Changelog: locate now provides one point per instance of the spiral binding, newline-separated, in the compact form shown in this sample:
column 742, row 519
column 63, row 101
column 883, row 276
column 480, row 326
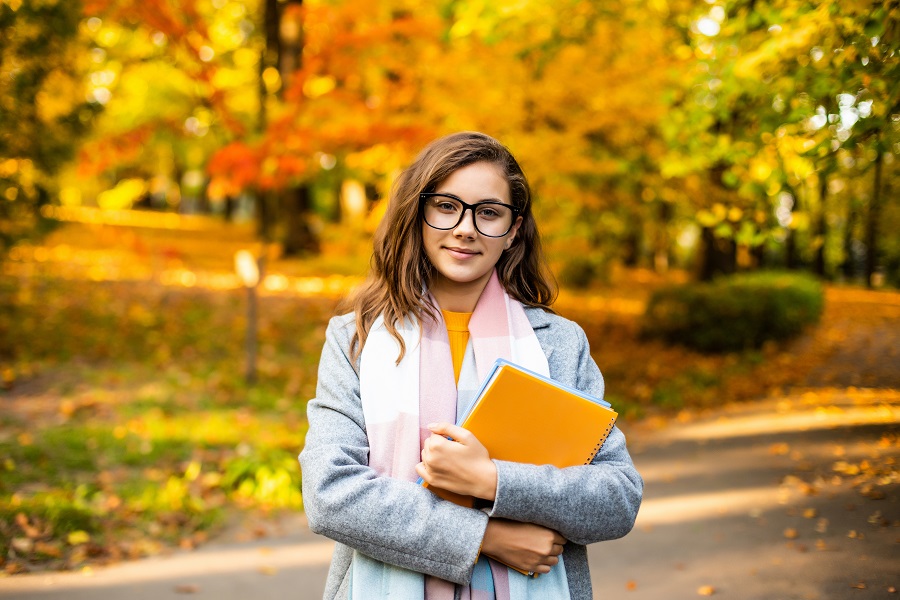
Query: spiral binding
column 601, row 442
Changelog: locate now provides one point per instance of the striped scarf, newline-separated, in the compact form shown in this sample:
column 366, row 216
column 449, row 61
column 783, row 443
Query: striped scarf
column 399, row 400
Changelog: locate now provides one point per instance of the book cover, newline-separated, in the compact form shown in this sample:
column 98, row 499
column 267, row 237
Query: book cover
column 521, row 416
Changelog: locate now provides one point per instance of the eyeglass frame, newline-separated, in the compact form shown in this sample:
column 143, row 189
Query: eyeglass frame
column 466, row 206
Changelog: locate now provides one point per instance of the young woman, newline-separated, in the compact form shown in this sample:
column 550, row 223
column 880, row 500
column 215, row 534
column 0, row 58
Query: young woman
column 457, row 281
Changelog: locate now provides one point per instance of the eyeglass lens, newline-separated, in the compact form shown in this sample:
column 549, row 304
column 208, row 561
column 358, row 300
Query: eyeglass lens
column 491, row 218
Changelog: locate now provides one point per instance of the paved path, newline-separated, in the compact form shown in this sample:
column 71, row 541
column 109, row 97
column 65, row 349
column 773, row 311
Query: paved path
column 783, row 499
column 746, row 503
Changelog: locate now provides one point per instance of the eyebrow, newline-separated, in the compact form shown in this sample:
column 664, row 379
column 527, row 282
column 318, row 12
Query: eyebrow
column 497, row 200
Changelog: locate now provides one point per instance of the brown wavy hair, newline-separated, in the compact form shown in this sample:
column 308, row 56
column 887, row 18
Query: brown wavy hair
column 400, row 272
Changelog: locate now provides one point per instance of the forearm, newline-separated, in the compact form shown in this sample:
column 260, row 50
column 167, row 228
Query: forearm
column 585, row 504
column 394, row 521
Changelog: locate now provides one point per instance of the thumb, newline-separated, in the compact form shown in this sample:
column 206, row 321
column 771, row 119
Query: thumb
column 449, row 430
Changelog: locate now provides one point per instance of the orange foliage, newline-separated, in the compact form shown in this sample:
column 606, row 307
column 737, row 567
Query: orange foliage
column 101, row 154
column 355, row 61
column 236, row 166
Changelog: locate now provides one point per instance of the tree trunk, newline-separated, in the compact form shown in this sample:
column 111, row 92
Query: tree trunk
column 758, row 253
column 719, row 256
column 299, row 237
column 631, row 247
column 284, row 51
column 228, row 208
column 822, row 227
column 296, row 201
column 265, row 216
column 269, row 57
column 790, row 242
column 872, row 220
column 662, row 245
column 848, row 266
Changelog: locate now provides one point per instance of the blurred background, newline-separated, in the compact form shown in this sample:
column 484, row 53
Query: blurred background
column 189, row 187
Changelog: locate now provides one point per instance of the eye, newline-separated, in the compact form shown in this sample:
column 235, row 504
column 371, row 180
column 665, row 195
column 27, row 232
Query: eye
column 447, row 206
column 489, row 211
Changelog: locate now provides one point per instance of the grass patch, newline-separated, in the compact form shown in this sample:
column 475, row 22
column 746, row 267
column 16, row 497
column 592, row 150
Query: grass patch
column 131, row 426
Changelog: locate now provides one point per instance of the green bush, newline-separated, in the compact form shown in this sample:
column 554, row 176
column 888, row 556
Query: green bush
column 736, row 312
column 580, row 272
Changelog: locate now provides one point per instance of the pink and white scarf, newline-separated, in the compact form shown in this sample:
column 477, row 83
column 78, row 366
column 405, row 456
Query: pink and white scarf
column 399, row 400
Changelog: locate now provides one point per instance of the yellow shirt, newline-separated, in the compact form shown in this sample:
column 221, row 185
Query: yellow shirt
column 458, row 330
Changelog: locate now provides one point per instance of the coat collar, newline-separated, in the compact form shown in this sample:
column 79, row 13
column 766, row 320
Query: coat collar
column 538, row 317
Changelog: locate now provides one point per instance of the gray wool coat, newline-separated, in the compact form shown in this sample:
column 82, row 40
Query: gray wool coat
column 404, row 524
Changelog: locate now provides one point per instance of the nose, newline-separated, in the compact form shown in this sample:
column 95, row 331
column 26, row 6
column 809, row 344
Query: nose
column 466, row 226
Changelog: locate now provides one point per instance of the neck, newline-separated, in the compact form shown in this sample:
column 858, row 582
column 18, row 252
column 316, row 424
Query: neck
column 458, row 297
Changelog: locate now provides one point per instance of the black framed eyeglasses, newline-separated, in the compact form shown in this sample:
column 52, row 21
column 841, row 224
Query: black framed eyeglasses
column 446, row 211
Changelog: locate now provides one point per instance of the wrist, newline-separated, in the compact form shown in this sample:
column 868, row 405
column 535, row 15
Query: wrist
column 488, row 487
column 489, row 541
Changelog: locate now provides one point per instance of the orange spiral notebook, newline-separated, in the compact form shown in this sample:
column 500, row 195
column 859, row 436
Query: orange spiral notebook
column 521, row 416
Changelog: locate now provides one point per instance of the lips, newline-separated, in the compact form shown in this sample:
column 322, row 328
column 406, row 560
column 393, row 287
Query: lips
column 461, row 253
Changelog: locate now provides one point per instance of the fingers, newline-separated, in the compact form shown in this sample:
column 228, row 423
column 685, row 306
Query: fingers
column 448, row 430
column 456, row 461
column 525, row 546
column 550, row 560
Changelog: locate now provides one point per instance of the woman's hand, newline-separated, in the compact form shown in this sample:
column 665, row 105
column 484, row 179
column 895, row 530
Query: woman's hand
column 524, row 546
column 460, row 464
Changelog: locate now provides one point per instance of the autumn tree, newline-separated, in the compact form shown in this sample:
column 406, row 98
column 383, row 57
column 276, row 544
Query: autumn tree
column 43, row 109
column 578, row 90
column 281, row 59
column 339, row 93
column 783, row 94
column 177, row 82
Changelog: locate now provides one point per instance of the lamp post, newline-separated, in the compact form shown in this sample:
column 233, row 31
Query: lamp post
column 248, row 270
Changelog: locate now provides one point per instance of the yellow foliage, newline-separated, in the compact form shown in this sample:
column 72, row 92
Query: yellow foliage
column 76, row 538
column 58, row 96
column 319, row 86
column 123, row 195
column 761, row 170
column 70, row 196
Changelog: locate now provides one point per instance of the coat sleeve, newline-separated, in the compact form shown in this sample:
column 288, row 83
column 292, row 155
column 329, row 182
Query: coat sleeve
column 585, row 504
column 394, row 521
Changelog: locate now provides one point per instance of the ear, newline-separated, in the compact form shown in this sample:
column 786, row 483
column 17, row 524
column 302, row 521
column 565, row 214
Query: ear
column 511, row 236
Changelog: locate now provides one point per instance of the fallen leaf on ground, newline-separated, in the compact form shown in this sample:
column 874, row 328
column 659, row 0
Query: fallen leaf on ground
column 29, row 530
column 48, row 549
column 779, row 449
column 791, row 533
column 187, row 588
column 706, row 590
column 876, row 519
column 78, row 537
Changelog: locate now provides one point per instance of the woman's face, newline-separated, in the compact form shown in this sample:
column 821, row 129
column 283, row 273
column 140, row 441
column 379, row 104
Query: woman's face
column 464, row 258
